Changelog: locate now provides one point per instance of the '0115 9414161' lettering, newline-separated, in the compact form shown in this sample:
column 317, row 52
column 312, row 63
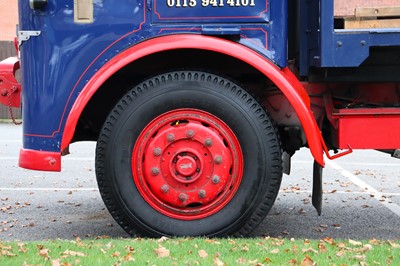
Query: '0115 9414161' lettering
column 210, row 3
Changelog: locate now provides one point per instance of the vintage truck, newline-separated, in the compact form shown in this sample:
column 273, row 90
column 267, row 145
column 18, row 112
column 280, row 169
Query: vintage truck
column 197, row 106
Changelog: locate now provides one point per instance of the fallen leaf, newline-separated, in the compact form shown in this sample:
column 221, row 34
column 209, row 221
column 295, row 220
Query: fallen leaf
column 203, row 254
column 55, row 263
column 367, row 247
column 29, row 225
column 21, row 248
column 394, row 245
column 72, row 253
column 128, row 257
column 267, row 260
column 278, row 242
column 374, row 242
column 44, row 253
column 129, row 249
column 307, row 261
column 115, row 254
column 241, row 260
column 275, row 251
column 340, row 253
column 7, row 253
column 162, row 239
column 218, row 262
column 355, row 243
column 359, row 257
column 322, row 248
column 305, row 250
column 161, row 252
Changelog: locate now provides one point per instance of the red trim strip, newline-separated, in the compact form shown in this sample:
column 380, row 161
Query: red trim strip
column 215, row 17
column 283, row 79
column 40, row 160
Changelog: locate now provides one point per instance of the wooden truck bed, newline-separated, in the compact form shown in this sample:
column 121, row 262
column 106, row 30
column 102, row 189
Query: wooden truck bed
column 359, row 14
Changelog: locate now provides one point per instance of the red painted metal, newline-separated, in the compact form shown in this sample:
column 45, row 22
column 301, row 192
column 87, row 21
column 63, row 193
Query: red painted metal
column 10, row 89
column 187, row 164
column 368, row 128
column 282, row 78
column 40, row 160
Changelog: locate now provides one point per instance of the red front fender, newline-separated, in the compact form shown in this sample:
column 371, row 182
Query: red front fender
column 10, row 89
column 283, row 79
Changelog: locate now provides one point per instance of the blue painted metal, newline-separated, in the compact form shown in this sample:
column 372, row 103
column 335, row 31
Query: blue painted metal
column 66, row 54
column 324, row 46
column 349, row 48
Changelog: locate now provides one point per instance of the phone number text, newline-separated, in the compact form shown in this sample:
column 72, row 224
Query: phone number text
column 211, row 3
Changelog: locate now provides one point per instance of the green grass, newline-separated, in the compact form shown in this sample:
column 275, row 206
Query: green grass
column 201, row 251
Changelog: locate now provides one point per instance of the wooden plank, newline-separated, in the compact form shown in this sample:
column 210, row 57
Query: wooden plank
column 372, row 23
column 346, row 8
column 378, row 11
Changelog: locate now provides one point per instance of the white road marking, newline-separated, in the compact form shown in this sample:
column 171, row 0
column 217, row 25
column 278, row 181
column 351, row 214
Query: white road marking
column 47, row 189
column 67, row 159
column 372, row 194
column 379, row 196
column 350, row 163
column 285, row 191
column 294, row 161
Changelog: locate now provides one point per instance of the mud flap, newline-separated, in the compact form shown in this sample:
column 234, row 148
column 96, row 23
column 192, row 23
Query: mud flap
column 317, row 187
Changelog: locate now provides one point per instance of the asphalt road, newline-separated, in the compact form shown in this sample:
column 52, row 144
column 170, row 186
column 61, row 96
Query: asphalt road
column 361, row 200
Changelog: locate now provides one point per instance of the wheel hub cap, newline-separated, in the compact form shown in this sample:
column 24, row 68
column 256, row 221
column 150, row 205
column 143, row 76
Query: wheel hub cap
column 187, row 164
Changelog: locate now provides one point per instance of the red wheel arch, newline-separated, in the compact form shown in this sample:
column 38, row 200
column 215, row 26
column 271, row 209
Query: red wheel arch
column 282, row 78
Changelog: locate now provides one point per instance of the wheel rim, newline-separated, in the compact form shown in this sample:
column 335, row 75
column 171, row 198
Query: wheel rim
column 187, row 164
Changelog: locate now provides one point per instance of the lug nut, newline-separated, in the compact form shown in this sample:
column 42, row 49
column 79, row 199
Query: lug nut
column 165, row 189
column 216, row 179
column 155, row 171
column 208, row 142
column 190, row 133
column 218, row 159
column 202, row 194
column 183, row 197
column 170, row 137
column 157, row 151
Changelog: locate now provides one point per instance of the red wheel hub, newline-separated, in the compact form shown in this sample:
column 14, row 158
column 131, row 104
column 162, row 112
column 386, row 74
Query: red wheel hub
column 187, row 164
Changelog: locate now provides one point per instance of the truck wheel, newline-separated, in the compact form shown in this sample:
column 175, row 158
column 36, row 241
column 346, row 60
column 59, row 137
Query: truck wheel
column 188, row 154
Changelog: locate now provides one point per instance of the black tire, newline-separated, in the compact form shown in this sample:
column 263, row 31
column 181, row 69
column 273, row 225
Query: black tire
column 220, row 97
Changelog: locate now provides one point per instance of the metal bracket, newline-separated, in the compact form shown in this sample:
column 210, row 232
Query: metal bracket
column 24, row 35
